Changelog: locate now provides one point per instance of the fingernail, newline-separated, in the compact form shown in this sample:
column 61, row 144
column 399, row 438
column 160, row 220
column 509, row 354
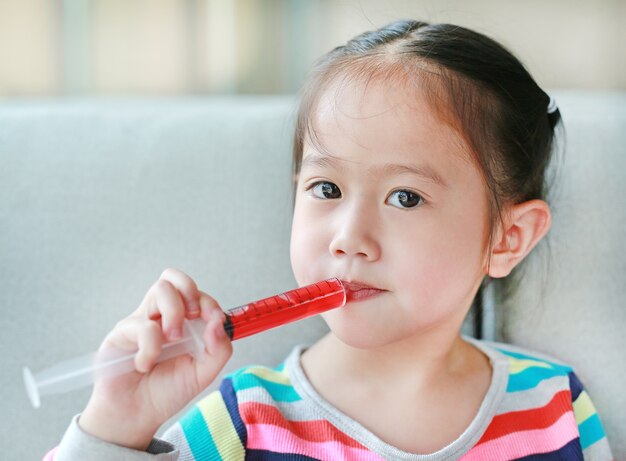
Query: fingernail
column 218, row 315
column 205, row 312
column 194, row 307
column 175, row 333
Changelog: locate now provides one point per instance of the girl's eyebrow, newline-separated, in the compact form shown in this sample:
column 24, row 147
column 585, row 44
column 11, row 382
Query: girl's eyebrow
column 425, row 172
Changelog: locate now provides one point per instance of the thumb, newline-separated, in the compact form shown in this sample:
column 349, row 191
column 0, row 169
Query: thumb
column 218, row 349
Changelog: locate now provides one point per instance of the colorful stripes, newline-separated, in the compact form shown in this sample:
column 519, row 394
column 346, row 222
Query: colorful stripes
column 258, row 415
column 569, row 452
column 213, row 428
column 519, row 444
column 276, row 383
column 269, row 431
column 281, row 440
column 560, row 429
column 266, row 418
column 230, row 401
column 526, row 372
column 531, row 419
column 587, row 419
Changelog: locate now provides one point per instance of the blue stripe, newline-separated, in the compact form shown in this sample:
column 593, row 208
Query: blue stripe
column 230, row 400
column 265, row 455
column 563, row 369
column 590, row 431
column 569, row 452
column 198, row 436
column 279, row 392
column 576, row 387
column 530, row 378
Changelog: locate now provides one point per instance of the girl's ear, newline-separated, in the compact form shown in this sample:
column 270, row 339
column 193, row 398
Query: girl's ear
column 524, row 226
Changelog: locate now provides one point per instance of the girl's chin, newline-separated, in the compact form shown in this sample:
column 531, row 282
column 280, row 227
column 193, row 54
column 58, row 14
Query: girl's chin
column 358, row 331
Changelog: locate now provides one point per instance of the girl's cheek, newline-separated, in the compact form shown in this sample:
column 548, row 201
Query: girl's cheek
column 304, row 248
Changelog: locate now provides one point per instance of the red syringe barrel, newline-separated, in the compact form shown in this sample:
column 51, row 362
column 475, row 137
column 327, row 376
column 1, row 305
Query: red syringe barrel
column 284, row 308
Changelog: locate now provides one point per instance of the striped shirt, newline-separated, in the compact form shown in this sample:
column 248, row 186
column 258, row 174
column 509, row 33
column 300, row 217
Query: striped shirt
column 535, row 409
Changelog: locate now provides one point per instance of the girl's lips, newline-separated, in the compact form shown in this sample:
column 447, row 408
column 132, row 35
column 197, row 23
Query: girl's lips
column 358, row 291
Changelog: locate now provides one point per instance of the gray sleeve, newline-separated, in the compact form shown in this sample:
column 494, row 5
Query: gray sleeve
column 78, row 445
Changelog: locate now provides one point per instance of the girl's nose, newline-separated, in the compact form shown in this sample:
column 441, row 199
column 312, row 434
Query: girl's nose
column 354, row 237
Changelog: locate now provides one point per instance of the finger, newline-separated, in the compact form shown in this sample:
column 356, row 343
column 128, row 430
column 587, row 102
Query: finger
column 137, row 335
column 149, row 340
column 215, row 337
column 121, row 336
column 208, row 305
column 218, row 349
column 167, row 304
column 187, row 288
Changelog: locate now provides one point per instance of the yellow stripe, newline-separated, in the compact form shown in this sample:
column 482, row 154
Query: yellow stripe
column 220, row 426
column 279, row 377
column 583, row 407
column 519, row 365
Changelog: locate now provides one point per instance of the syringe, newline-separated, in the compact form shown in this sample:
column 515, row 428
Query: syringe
column 241, row 322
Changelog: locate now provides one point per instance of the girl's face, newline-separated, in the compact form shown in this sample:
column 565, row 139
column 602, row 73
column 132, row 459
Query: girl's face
column 388, row 199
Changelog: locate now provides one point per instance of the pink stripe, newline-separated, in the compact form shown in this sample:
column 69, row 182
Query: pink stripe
column 50, row 455
column 524, row 443
column 279, row 440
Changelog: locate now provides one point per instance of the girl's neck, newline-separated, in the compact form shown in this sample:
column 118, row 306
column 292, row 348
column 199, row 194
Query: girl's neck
column 419, row 362
column 435, row 386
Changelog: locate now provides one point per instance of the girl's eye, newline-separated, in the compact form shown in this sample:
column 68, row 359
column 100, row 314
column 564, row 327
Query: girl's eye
column 405, row 199
column 325, row 190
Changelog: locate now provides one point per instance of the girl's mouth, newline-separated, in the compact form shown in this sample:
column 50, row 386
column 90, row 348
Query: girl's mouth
column 359, row 291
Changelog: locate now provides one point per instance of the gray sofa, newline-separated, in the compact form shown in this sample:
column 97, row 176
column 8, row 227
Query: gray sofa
column 98, row 196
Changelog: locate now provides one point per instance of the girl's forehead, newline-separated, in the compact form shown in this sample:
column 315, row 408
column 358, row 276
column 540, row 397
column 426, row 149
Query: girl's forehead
column 384, row 117
column 369, row 98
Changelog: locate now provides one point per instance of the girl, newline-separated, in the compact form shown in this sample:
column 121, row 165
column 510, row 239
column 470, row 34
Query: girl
column 420, row 153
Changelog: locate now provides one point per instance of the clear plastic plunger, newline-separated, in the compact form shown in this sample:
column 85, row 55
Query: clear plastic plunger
column 241, row 322
column 84, row 370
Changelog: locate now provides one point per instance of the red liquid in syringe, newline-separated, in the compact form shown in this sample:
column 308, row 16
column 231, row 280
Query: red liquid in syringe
column 284, row 308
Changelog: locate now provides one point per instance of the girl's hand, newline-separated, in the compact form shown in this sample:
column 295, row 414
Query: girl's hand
column 127, row 410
